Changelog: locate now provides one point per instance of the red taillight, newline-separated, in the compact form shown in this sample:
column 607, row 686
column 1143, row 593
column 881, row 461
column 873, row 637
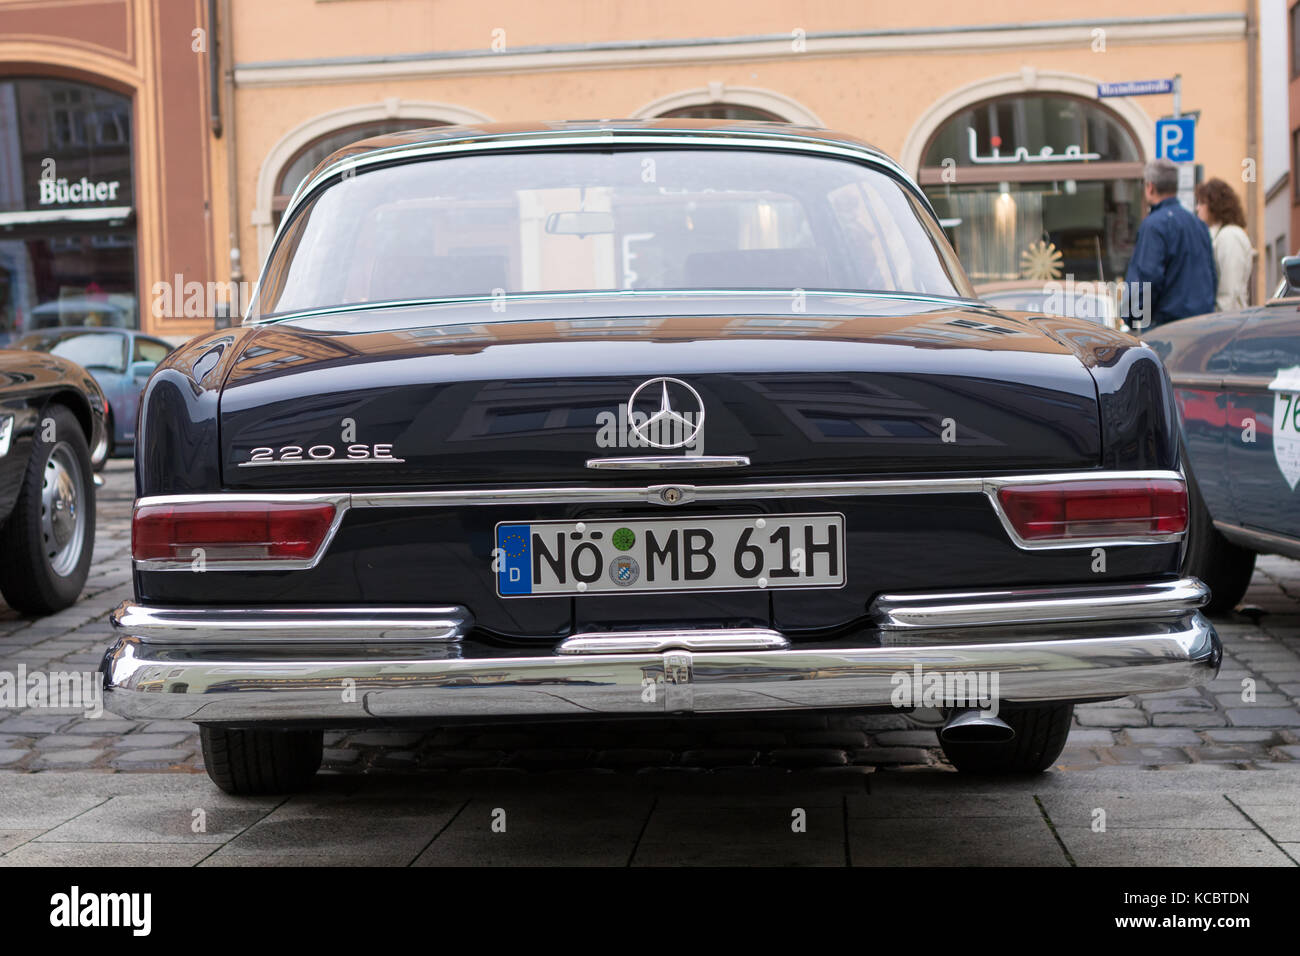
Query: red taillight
column 239, row 531
column 1118, row 508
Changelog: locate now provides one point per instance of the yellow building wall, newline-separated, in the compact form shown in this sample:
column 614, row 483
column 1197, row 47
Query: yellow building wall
column 877, row 95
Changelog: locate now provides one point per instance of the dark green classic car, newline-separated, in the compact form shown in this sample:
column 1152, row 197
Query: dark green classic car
column 1236, row 378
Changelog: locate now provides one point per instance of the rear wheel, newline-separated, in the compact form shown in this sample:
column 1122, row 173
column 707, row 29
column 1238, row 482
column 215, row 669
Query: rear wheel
column 51, row 532
column 1226, row 568
column 249, row 762
column 1040, row 738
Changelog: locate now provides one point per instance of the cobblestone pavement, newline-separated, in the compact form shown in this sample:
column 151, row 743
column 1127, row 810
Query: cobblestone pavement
column 1216, row 724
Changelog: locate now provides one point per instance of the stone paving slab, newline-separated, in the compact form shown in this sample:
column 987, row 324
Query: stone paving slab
column 1201, row 815
column 1002, row 840
column 105, row 854
column 1172, row 847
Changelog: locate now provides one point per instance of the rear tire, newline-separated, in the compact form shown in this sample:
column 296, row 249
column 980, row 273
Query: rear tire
column 251, row 762
column 50, row 536
column 1040, row 738
column 1226, row 568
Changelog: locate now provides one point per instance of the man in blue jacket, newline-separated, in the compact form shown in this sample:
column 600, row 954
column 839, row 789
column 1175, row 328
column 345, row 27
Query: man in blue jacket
column 1171, row 274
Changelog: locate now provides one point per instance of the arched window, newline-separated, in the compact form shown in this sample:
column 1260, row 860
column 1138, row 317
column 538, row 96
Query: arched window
column 1017, row 179
column 730, row 111
column 307, row 158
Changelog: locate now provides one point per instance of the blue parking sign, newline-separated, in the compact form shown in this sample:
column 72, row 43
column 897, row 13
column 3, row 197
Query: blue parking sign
column 1176, row 139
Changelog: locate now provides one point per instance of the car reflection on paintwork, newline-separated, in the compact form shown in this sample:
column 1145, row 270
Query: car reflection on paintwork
column 1077, row 300
column 1232, row 372
column 121, row 361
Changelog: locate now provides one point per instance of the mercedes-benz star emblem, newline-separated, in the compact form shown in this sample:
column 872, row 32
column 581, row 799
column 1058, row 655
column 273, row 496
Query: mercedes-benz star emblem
column 674, row 413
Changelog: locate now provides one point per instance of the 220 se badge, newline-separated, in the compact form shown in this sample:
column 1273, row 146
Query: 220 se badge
column 717, row 399
column 318, row 454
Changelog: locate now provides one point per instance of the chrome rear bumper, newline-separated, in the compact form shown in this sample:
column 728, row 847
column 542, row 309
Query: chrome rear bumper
column 418, row 664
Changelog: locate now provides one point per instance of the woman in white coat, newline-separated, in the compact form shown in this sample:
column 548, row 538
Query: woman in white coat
column 1220, row 209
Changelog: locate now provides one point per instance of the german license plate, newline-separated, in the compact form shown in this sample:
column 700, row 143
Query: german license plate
column 669, row 554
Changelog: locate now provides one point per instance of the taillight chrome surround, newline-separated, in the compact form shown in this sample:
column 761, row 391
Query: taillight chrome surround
column 1163, row 484
column 653, row 494
column 214, row 561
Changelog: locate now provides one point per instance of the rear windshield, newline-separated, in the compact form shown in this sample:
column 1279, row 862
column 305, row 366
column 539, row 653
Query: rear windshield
column 531, row 222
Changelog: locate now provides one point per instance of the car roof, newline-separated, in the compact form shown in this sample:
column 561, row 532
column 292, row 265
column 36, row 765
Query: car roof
column 77, row 329
column 72, row 329
column 405, row 143
column 1008, row 286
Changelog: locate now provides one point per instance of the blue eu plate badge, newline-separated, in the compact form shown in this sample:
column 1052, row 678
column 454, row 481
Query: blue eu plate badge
column 515, row 569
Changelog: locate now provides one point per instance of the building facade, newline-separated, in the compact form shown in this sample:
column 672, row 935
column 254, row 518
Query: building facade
column 107, row 171
column 993, row 107
column 1293, row 111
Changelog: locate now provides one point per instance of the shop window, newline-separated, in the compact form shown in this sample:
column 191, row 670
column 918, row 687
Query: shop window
column 67, row 232
column 1036, row 187
column 1294, row 18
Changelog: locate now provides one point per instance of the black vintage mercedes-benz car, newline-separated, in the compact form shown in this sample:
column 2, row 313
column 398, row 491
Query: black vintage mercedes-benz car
column 52, row 430
column 635, row 419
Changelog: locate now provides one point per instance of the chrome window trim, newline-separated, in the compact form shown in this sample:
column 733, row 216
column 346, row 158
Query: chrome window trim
column 532, row 297
column 666, row 495
column 779, row 141
column 749, row 139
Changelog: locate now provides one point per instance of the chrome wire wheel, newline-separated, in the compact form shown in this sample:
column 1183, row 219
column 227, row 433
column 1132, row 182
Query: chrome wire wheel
column 63, row 519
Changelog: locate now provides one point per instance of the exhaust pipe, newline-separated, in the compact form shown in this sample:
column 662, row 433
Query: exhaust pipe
column 975, row 727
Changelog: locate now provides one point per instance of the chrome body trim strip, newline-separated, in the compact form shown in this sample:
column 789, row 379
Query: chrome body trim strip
column 896, row 612
column 264, row 684
column 737, row 492
column 354, row 625
column 1196, row 380
column 668, row 495
column 658, row 462
column 704, row 639
column 1268, row 542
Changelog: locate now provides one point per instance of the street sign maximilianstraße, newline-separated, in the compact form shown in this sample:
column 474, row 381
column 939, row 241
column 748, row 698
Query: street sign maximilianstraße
column 1135, row 88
